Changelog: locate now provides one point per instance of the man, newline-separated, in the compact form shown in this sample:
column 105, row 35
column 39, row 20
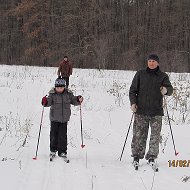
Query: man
column 146, row 97
column 65, row 70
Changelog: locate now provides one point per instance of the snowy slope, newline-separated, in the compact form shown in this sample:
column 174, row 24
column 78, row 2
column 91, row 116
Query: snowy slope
column 106, row 117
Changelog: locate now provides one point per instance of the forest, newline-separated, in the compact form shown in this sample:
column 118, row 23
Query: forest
column 99, row 34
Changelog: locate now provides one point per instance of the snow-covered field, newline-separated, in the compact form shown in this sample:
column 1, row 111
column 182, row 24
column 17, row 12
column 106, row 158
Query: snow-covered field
column 106, row 118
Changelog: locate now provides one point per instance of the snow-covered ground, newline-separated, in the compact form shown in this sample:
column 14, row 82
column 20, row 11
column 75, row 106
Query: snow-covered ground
column 106, row 118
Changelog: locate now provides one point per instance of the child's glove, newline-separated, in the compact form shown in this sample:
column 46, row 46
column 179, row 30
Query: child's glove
column 44, row 101
column 80, row 98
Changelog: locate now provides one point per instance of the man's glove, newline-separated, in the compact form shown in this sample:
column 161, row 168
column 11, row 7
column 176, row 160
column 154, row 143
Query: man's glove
column 163, row 90
column 80, row 98
column 44, row 101
column 134, row 107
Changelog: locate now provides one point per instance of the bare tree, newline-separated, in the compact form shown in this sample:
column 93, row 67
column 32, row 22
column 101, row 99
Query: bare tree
column 109, row 34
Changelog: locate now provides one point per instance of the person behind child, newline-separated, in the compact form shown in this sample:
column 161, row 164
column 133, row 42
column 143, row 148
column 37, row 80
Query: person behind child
column 65, row 70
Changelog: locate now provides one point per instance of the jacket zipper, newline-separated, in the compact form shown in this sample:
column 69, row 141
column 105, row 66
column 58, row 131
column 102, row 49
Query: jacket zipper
column 148, row 93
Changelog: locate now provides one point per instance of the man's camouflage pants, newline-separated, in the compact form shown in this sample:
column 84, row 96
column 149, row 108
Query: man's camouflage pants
column 140, row 134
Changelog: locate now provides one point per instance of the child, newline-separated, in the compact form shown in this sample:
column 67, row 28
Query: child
column 59, row 100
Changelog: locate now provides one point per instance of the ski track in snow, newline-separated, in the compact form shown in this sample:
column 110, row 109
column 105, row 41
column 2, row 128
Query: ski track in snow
column 105, row 123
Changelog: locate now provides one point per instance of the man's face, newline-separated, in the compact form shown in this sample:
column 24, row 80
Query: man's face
column 65, row 59
column 152, row 64
column 59, row 89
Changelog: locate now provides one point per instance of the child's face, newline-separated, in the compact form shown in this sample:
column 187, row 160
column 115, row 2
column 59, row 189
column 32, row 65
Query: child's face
column 59, row 89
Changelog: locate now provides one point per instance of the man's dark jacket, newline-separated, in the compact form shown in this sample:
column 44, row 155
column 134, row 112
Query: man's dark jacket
column 145, row 91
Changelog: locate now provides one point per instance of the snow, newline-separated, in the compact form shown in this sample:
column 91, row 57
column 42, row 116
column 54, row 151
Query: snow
column 106, row 117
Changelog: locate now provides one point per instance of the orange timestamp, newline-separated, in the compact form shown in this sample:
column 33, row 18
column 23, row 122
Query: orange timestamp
column 179, row 163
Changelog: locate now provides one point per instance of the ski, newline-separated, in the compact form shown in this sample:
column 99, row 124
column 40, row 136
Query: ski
column 66, row 160
column 51, row 158
column 154, row 166
column 136, row 165
column 64, row 157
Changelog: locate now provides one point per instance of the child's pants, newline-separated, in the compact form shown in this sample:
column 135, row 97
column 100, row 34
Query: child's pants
column 58, row 137
column 67, row 81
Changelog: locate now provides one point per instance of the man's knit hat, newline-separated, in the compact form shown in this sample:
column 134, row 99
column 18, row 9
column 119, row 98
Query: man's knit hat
column 153, row 57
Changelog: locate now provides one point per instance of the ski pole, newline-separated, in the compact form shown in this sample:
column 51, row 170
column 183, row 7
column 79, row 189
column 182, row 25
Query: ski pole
column 34, row 158
column 82, row 145
column 127, row 136
column 176, row 153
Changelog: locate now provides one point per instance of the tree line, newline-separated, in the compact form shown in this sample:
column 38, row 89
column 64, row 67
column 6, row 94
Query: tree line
column 101, row 34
